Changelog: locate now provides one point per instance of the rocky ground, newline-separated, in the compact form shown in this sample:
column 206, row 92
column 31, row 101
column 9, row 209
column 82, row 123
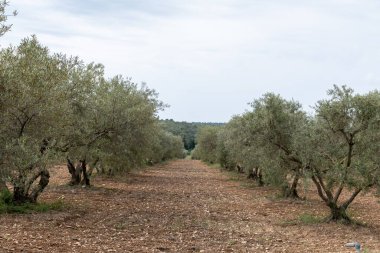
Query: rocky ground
column 183, row 206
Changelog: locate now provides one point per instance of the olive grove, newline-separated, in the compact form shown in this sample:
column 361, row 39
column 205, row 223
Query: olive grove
column 54, row 108
column 277, row 143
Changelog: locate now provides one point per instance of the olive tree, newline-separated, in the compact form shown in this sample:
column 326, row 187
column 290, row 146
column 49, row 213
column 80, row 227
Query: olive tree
column 166, row 146
column 134, row 116
column 82, row 131
column 337, row 148
column 240, row 148
column 226, row 157
column 117, row 122
column 344, row 151
column 53, row 105
column 277, row 124
column 33, row 108
column 207, row 141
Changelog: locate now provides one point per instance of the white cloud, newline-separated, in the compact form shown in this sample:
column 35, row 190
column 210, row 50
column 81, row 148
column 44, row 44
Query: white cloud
column 209, row 58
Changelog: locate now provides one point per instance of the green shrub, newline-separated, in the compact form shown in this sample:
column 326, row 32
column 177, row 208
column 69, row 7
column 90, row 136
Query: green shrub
column 7, row 206
column 5, row 197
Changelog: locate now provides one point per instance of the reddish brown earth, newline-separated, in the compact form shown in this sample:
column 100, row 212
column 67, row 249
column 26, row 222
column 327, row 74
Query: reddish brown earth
column 182, row 206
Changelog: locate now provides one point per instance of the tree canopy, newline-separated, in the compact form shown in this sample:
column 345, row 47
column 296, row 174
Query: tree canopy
column 187, row 130
column 54, row 106
column 277, row 143
column 4, row 27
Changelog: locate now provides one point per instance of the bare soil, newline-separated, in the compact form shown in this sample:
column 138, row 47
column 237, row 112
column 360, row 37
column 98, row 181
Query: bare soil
column 183, row 206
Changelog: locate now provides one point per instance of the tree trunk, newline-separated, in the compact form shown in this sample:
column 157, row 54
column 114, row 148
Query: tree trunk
column 260, row 177
column 23, row 192
column 338, row 213
column 255, row 174
column 252, row 174
column 86, row 178
column 44, row 181
column 75, row 172
column 291, row 192
column 79, row 174
column 19, row 196
column 93, row 165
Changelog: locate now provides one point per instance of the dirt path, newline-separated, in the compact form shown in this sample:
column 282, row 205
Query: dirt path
column 182, row 206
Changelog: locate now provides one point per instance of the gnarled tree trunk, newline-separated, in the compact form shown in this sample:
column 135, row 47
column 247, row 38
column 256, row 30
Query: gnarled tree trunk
column 23, row 189
column 79, row 174
column 75, row 172
column 255, row 174
column 86, row 177
column 291, row 191
column 240, row 169
column 337, row 212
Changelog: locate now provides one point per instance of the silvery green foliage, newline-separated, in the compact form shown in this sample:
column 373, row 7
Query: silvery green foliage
column 167, row 146
column 53, row 106
column 347, row 134
column 206, row 148
column 345, row 145
column 338, row 148
column 4, row 27
column 33, row 107
column 114, row 122
column 33, row 101
column 278, row 124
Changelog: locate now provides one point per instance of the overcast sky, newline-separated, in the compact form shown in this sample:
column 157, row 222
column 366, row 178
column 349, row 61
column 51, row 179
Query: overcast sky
column 209, row 58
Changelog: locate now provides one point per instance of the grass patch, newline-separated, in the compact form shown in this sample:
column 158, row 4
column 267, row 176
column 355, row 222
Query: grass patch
column 367, row 251
column 248, row 185
column 234, row 178
column 305, row 218
column 120, row 226
column 234, row 175
column 310, row 219
column 232, row 242
column 213, row 165
column 181, row 224
column 31, row 207
column 7, row 206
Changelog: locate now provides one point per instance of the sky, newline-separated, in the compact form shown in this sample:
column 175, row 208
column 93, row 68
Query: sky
column 209, row 58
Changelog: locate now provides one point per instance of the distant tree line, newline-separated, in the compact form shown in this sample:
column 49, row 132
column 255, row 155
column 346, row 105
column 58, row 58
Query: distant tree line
column 278, row 143
column 187, row 130
column 54, row 107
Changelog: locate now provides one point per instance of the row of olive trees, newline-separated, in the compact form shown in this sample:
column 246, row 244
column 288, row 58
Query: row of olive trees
column 277, row 143
column 54, row 106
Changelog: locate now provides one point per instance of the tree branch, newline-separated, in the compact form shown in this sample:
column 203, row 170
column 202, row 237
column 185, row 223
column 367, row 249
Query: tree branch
column 353, row 196
column 319, row 188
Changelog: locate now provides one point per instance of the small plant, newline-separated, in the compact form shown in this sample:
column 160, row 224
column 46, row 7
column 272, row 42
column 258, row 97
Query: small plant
column 231, row 242
column 120, row 226
column 7, row 205
column 248, row 185
column 309, row 219
column 6, row 197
